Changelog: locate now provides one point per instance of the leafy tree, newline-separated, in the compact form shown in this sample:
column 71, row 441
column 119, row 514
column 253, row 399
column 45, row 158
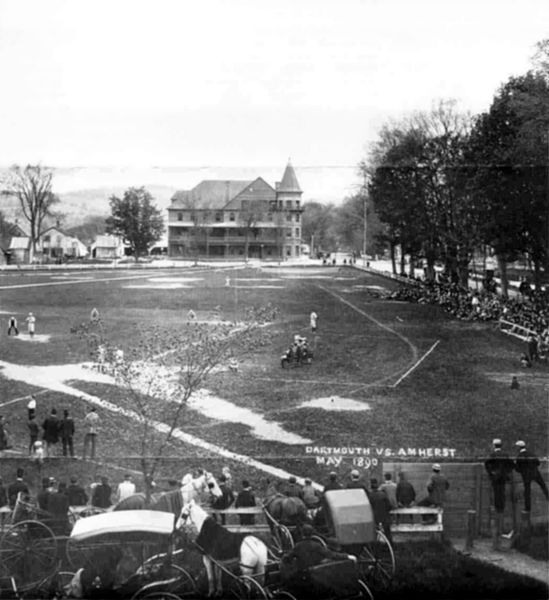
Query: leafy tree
column 349, row 220
column 136, row 218
column 32, row 186
column 508, row 157
column 91, row 227
column 317, row 226
column 250, row 214
column 158, row 374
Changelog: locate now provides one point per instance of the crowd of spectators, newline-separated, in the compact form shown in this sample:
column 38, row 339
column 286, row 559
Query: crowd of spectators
column 529, row 310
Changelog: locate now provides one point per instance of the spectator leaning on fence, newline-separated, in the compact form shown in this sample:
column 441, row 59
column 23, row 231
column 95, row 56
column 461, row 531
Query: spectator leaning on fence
column 527, row 464
column 499, row 468
column 405, row 492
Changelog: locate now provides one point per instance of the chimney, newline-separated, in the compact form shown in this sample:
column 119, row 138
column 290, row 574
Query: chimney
column 227, row 191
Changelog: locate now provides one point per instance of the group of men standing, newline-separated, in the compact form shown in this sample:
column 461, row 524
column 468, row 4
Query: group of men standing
column 500, row 466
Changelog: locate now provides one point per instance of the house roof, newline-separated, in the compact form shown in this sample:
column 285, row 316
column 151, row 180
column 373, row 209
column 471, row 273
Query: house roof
column 289, row 180
column 210, row 193
column 19, row 243
column 107, row 241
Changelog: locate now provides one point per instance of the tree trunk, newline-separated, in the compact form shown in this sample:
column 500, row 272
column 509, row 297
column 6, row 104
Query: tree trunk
column 430, row 272
column 393, row 257
column 402, row 261
column 412, row 267
column 537, row 274
column 502, row 265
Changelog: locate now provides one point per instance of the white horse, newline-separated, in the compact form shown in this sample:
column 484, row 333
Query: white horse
column 200, row 488
column 216, row 542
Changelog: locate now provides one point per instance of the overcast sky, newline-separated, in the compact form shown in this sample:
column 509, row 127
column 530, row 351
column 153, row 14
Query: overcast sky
column 243, row 82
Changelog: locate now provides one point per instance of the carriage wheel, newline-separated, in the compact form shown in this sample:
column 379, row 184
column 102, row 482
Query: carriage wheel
column 282, row 539
column 160, row 596
column 365, row 591
column 282, row 595
column 251, row 589
column 377, row 561
column 29, row 554
column 177, row 583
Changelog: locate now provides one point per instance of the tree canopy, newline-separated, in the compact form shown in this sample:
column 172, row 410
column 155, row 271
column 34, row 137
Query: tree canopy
column 136, row 218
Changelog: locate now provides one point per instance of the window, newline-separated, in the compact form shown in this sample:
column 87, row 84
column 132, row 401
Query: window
column 46, row 238
column 288, row 251
column 288, row 233
column 218, row 217
column 297, row 218
column 180, row 216
column 288, row 204
column 297, row 250
column 297, row 203
column 232, row 216
column 297, row 232
column 288, row 217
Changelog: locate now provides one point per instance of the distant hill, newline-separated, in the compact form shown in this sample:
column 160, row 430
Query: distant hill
column 85, row 191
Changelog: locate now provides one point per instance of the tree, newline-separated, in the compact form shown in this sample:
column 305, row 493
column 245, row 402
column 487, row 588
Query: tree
column 317, row 225
column 158, row 374
column 250, row 214
column 509, row 168
column 136, row 219
column 32, row 186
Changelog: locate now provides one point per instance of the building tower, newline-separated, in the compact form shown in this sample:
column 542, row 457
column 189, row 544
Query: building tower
column 288, row 203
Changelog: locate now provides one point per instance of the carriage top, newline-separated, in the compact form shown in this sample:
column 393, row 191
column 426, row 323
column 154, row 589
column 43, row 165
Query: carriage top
column 351, row 516
column 124, row 521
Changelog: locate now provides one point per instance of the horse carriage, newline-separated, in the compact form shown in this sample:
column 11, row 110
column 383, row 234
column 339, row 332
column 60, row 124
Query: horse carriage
column 128, row 554
column 298, row 354
column 344, row 523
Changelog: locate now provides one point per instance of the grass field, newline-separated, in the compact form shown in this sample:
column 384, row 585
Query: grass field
column 457, row 398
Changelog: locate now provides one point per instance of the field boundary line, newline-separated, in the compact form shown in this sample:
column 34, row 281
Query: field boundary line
column 409, row 343
column 413, row 367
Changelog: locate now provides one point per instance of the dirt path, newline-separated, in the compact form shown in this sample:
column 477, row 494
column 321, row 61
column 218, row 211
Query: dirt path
column 510, row 560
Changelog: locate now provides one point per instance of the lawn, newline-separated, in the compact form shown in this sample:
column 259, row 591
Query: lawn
column 457, row 398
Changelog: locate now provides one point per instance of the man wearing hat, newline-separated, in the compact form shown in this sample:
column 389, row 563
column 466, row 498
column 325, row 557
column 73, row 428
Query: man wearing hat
column 381, row 507
column 527, row 464
column 499, row 468
column 76, row 494
column 437, row 485
column 355, row 482
column 16, row 487
column 333, row 483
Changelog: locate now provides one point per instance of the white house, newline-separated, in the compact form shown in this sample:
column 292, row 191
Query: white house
column 55, row 243
column 107, row 246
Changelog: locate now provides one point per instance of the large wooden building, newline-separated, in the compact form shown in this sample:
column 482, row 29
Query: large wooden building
column 231, row 219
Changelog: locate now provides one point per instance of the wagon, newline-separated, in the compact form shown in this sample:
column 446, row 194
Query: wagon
column 132, row 553
column 346, row 522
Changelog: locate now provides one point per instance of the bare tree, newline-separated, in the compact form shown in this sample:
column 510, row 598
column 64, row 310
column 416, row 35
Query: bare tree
column 32, row 186
column 159, row 373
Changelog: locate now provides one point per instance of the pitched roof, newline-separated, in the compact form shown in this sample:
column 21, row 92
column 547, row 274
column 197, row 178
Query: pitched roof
column 210, row 193
column 18, row 243
column 289, row 180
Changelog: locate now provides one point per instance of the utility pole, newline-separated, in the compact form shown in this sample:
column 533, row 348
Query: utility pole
column 364, row 239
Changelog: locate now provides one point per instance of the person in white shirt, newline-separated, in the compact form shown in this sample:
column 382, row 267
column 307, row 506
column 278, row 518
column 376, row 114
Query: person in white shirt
column 313, row 319
column 91, row 422
column 126, row 488
column 31, row 321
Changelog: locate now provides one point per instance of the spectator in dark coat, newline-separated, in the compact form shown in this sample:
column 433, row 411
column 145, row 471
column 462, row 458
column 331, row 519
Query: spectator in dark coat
column 76, row 494
column 293, row 489
column 225, row 500
column 246, row 499
column 43, row 495
column 3, row 435
column 51, row 432
column 437, row 485
column 333, row 483
column 66, row 430
column 389, row 487
column 355, row 482
column 101, row 496
column 499, row 468
column 3, row 494
column 58, row 507
column 527, row 464
column 405, row 493
column 17, row 486
column 381, row 508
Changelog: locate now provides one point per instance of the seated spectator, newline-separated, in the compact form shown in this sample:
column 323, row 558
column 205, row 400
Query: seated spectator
column 126, row 488
column 525, row 361
column 292, row 488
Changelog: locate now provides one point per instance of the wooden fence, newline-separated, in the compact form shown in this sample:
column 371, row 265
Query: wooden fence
column 470, row 489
